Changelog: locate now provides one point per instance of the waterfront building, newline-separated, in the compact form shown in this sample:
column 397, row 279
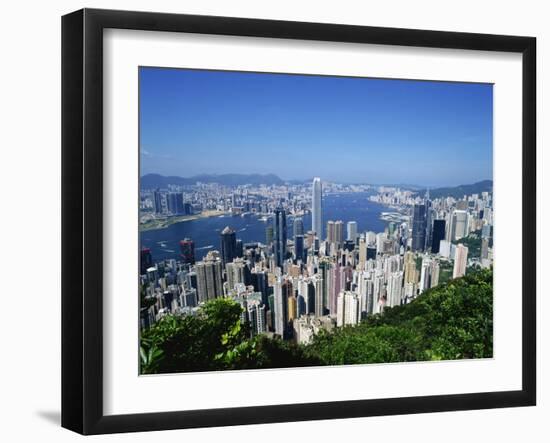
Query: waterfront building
column 159, row 202
column 175, row 203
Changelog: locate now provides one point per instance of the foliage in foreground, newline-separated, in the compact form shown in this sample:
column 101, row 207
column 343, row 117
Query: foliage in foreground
column 451, row 321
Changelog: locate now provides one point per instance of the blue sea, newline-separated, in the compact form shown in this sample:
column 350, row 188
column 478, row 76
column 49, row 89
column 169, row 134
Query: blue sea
column 205, row 232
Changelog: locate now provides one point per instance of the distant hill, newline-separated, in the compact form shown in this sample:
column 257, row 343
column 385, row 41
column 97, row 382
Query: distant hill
column 152, row 181
column 460, row 191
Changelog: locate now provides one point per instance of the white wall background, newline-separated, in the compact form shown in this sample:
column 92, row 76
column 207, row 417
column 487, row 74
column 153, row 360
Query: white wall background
column 30, row 218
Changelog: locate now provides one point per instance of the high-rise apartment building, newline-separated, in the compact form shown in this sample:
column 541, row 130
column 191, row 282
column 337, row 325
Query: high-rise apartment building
column 347, row 311
column 209, row 278
column 461, row 261
column 459, row 225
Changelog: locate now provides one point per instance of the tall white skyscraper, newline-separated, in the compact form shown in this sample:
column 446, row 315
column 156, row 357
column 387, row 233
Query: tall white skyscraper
column 316, row 210
column 461, row 261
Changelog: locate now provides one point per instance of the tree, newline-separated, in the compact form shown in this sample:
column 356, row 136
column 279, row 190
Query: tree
column 193, row 342
column 451, row 321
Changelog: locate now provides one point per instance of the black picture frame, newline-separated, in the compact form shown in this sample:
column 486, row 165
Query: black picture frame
column 82, row 188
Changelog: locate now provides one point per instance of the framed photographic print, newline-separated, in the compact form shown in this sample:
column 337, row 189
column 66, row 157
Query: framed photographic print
column 269, row 221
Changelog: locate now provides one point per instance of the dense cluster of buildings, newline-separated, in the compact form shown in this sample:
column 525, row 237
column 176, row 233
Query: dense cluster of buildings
column 298, row 282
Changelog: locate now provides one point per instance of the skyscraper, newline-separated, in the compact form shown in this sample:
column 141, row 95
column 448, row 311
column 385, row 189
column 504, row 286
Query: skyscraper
column 395, row 285
column 461, row 261
column 298, row 233
column 299, row 247
column 269, row 235
column 419, row 227
column 145, row 260
column 298, row 227
column 279, row 236
column 459, row 224
column 257, row 317
column 330, row 231
column 235, row 273
column 175, row 203
column 429, row 221
column 411, row 275
column 316, row 207
column 352, row 230
column 209, row 279
column 158, row 200
column 339, row 232
column 228, row 245
column 438, row 234
column 429, row 274
column 187, row 248
column 347, row 311
column 362, row 251
column 280, row 308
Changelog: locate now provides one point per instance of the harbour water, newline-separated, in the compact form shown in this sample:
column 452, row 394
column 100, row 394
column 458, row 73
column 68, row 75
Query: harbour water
column 205, row 232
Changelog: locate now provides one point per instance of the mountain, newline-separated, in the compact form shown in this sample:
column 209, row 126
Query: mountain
column 152, row 181
column 460, row 190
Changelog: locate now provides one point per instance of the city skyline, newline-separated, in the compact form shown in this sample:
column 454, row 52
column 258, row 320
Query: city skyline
column 363, row 130
column 309, row 179
column 316, row 264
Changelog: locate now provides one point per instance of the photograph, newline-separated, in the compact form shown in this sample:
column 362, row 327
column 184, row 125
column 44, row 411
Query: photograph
column 291, row 220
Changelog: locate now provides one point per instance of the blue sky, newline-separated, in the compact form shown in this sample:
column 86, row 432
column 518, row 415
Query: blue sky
column 338, row 128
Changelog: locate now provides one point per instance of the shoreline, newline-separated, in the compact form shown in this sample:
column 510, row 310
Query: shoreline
column 164, row 223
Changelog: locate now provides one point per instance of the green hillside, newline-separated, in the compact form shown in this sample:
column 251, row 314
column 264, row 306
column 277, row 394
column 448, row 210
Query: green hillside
column 451, row 321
